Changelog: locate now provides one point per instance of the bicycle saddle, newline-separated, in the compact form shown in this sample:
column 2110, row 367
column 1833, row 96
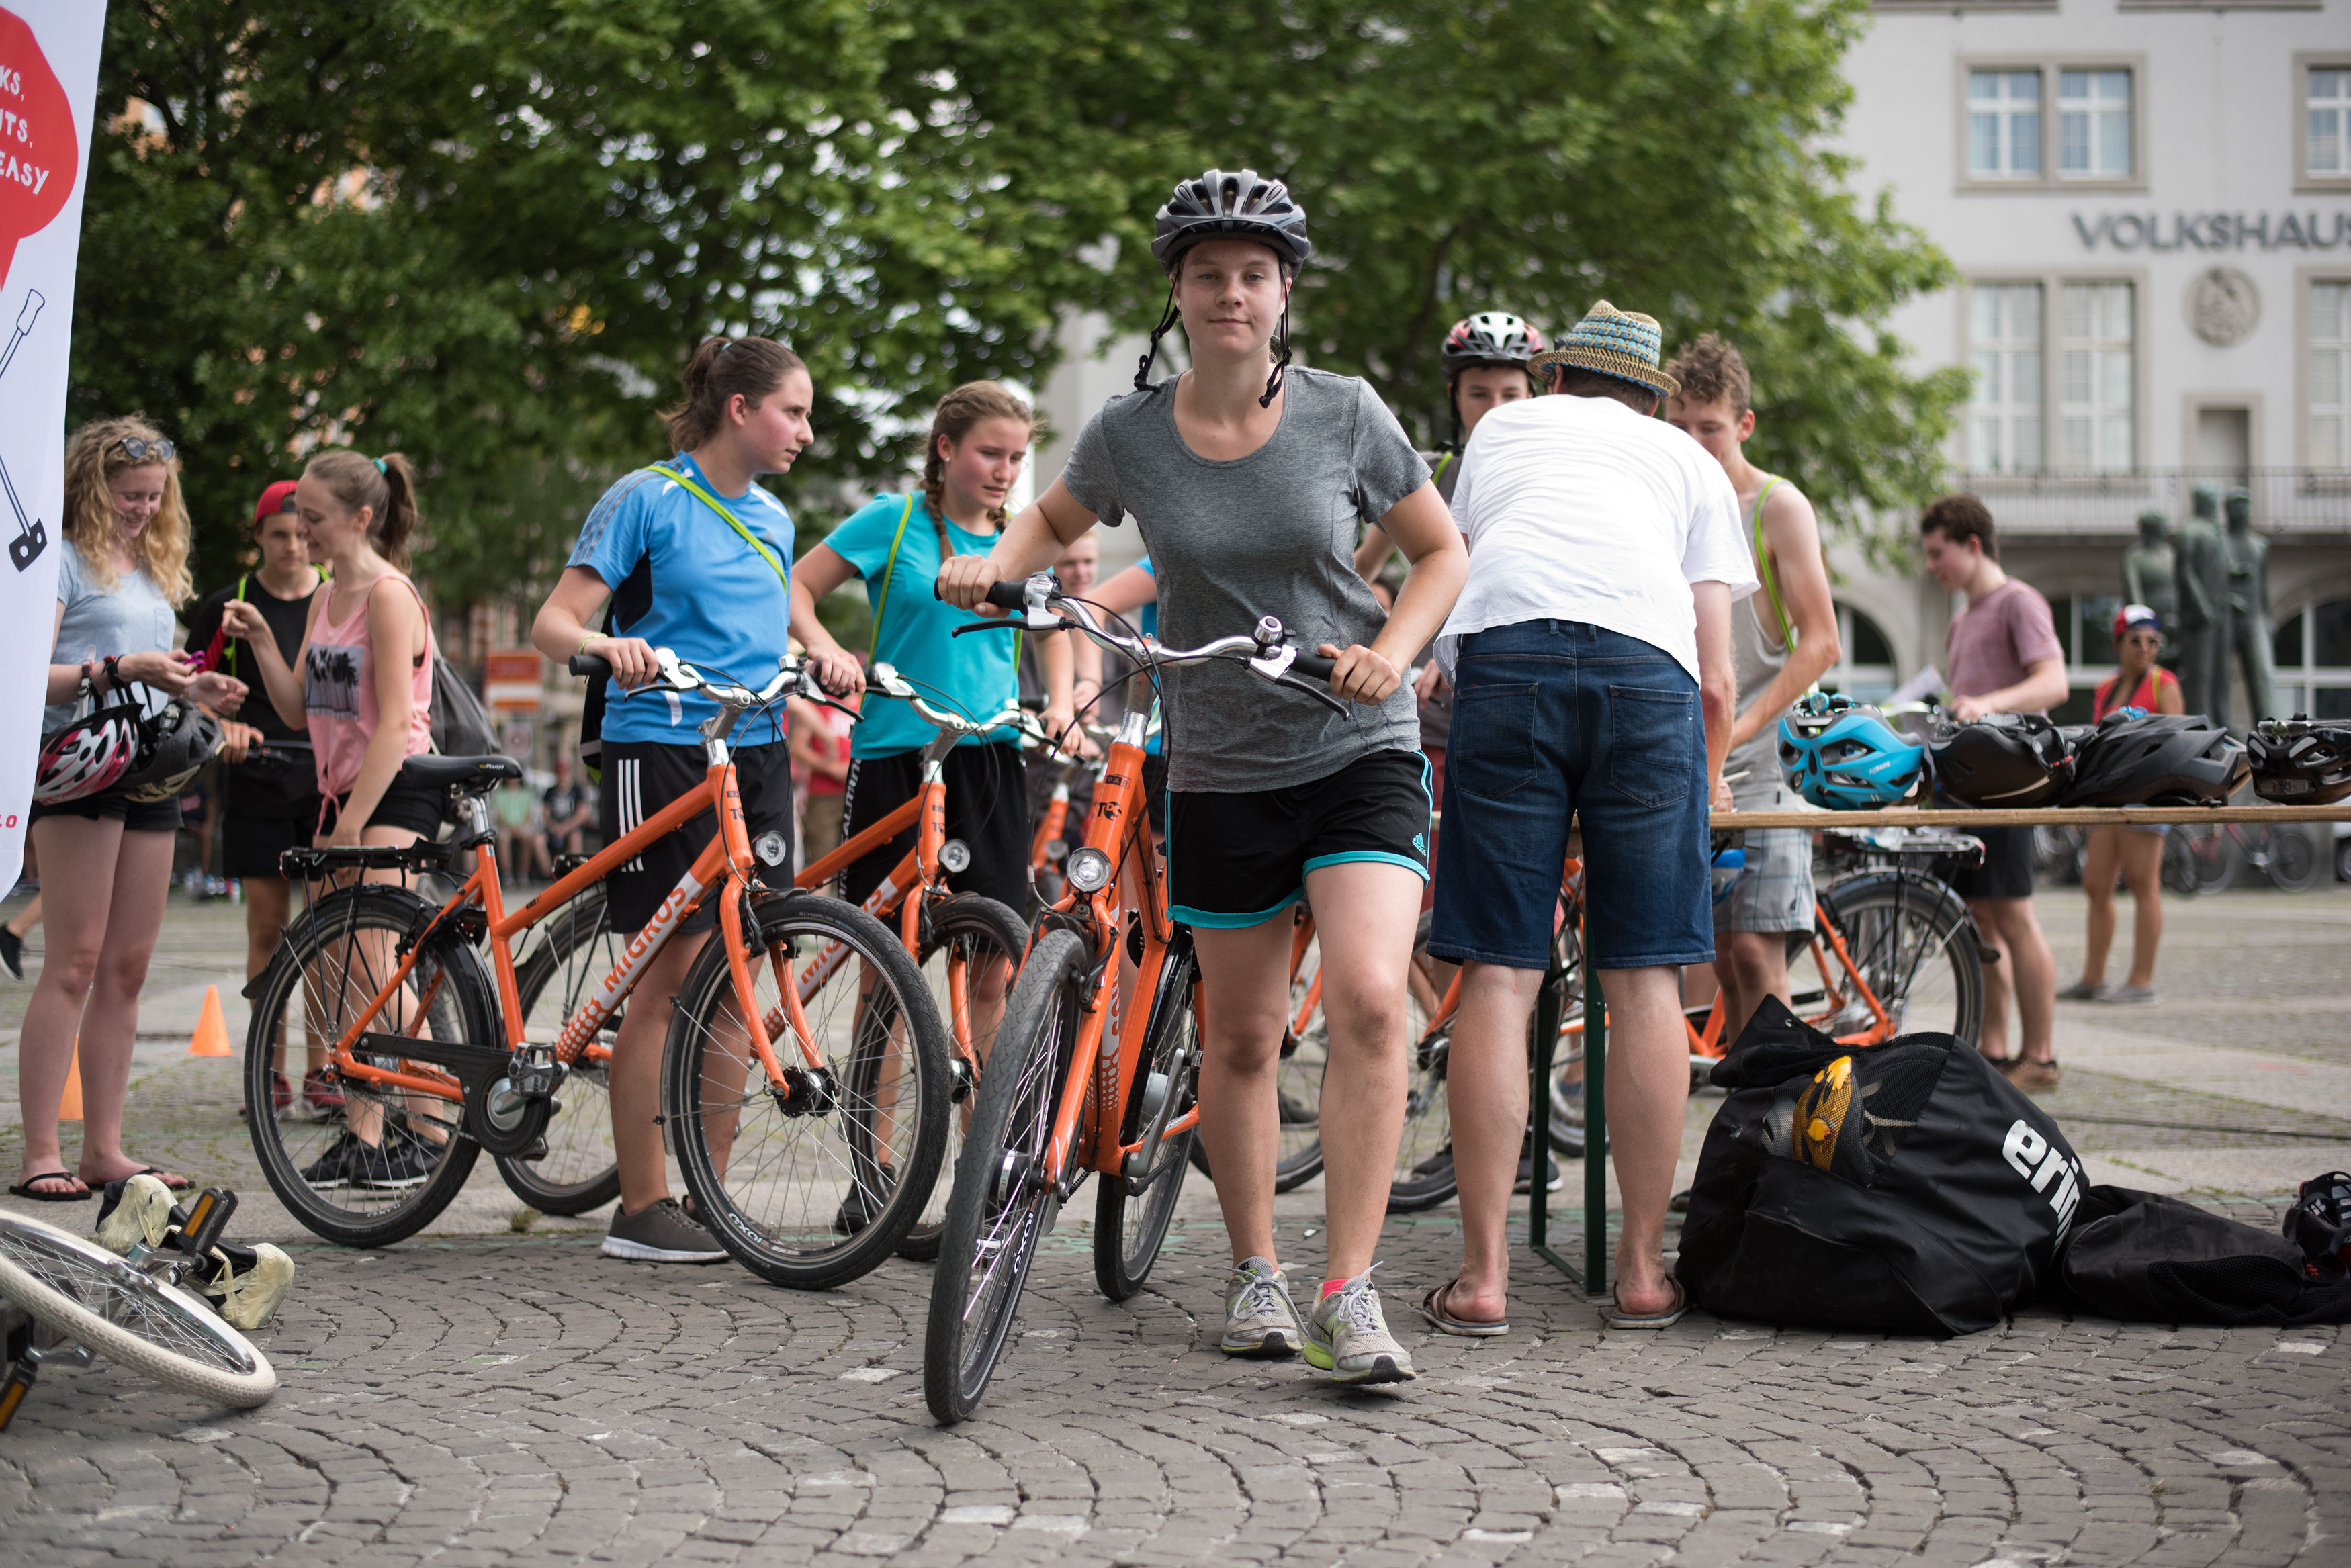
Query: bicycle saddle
column 467, row 774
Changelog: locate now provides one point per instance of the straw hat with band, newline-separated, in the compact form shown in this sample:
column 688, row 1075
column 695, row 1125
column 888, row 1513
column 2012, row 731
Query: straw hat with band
column 1619, row 343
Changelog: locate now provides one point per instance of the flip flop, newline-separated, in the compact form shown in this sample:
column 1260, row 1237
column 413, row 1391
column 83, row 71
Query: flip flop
column 1432, row 1308
column 26, row 1188
column 170, row 1179
column 1617, row 1317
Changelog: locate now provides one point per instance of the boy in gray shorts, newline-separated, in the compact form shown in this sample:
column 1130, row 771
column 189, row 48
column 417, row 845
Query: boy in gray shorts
column 1783, row 639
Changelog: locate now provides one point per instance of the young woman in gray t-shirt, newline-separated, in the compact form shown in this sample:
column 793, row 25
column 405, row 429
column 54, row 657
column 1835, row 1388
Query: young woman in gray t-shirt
column 1248, row 478
column 106, row 861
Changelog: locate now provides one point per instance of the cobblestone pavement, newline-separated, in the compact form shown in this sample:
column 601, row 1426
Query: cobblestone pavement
column 496, row 1396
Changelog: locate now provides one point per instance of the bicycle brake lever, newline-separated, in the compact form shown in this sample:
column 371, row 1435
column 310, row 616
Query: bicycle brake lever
column 1320, row 694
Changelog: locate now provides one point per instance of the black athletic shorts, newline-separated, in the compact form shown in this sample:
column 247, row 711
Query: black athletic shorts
column 404, row 805
column 2007, row 868
column 267, row 808
column 988, row 809
column 250, row 845
column 136, row 815
column 1237, row 860
column 642, row 776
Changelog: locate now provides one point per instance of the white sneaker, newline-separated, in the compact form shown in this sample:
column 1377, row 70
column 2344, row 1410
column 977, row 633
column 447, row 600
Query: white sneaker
column 1260, row 1320
column 1347, row 1337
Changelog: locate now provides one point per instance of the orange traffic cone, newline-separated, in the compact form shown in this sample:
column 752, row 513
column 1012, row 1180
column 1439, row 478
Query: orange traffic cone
column 212, row 1028
column 69, row 1107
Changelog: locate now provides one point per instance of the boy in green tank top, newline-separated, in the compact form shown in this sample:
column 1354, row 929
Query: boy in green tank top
column 1783, row 640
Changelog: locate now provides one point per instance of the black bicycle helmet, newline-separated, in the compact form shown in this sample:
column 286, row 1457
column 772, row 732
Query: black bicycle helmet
column 1238, row 203
column 2001, row 759
column 2136, row 758
column 2298, row 762
column 184, row 739
column 1491, row 337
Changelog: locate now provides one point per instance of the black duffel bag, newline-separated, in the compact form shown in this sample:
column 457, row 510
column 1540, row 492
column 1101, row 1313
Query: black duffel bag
column 1906, row 1188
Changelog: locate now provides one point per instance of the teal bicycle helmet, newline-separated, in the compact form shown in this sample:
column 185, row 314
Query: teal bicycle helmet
column 1838, row 754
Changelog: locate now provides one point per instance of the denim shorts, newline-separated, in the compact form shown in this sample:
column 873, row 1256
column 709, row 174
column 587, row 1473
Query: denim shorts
column 1554, row 719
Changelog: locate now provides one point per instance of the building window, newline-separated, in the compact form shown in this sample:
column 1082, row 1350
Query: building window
column 2097, row 374
column 2094, row 125
column 2085, row 630
column 2330, row 374
column 2326, row 135
column 2313, row 654
column 2005, row 333
column 2004, row 125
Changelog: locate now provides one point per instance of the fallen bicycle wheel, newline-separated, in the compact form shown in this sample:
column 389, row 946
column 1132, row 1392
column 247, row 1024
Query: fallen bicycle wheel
column 82, row 1293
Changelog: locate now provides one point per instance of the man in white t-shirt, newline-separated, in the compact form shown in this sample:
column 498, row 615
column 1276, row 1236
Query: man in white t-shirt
column 1590, row 657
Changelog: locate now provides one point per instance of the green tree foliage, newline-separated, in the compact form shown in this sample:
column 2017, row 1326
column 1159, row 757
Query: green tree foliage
column 486, row 232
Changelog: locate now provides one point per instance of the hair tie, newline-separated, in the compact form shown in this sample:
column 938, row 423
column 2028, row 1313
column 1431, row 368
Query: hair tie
column 379, row 465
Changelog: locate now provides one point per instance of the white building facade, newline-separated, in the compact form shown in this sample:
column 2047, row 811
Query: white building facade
column 2149, row 208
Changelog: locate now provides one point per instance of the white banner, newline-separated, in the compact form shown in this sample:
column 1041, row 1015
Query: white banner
column 49, row 87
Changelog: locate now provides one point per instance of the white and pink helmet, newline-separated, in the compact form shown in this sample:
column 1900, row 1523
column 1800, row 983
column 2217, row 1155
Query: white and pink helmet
column 88, row 756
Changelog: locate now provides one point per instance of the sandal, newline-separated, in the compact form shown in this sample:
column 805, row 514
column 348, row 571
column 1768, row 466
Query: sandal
column 169, row 1178
column 1617, row 1317
column 26, row 1188
column 1432, row 1307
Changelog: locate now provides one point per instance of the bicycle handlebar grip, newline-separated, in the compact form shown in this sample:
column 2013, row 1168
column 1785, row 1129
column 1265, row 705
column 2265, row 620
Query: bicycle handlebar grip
column 591, row 664
column 1314, row 664
column 1007, row 596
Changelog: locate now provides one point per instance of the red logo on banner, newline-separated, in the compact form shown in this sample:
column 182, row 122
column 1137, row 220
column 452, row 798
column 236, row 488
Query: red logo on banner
column 38, row 150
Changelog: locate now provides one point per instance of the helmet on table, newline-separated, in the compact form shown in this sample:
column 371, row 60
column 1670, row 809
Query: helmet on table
column 1836, row 753
column 2001, row 760
column 2136, row 758
column 88, row 756
column 2298, row 762
column 1493, row 337
column 184, row 737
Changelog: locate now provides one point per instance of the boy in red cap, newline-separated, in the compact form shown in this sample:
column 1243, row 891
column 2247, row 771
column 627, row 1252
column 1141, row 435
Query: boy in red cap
column 272, row 789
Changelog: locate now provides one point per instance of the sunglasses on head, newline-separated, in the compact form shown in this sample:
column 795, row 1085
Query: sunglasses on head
column 142, row 450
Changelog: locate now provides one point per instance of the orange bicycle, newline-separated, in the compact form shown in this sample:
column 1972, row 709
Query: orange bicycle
column 1074, row 1090
column 781, row 1099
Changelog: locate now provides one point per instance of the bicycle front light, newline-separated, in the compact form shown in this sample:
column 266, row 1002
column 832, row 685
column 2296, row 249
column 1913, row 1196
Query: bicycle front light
column 1088, row 871
column 954, row 855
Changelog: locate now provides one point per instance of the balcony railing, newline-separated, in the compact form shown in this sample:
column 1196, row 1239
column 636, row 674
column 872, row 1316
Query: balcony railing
column 2286, row 501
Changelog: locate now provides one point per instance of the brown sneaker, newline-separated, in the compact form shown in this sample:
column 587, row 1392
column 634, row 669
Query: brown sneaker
column 2030, row 1075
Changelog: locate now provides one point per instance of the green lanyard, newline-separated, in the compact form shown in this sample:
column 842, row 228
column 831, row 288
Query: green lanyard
column 890, row 570
column 732, row 521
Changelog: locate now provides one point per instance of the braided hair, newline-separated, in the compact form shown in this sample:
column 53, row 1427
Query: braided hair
column 957, row 412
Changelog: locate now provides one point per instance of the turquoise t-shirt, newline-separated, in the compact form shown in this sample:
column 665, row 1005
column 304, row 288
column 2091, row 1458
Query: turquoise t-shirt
column 1147, row 620
column 974, row 675
column 682, row 579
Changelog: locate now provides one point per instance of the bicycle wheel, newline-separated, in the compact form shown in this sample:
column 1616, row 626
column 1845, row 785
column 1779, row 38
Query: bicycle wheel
column 2294, row 863
column 1566, row 1088
column 1911, row 945
column 970, row 937
column 1132, row 1209
column 397, row 1157
column 812, row 1182
column 578, row 1171
column 2213, row 858
column 1002, row 1206
column 2179, row 865
column 84, row 1293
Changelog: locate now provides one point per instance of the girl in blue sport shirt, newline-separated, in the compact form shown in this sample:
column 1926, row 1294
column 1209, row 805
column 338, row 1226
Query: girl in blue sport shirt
column 694, row 556
column 979, row 437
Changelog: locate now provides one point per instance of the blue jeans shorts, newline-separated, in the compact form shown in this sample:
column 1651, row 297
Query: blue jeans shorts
column 1554, row 719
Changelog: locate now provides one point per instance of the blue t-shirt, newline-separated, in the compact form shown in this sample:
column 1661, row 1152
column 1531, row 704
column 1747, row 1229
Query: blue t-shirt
column 682, row 579
column 974, row 675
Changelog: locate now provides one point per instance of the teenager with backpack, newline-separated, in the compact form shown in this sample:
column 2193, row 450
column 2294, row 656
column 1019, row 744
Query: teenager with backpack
column 1248, row 478
column 692, row 554
column 106, row 859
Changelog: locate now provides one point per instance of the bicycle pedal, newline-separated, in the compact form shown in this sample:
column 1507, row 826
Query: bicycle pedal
column 207, row 1217
column 536, row 1151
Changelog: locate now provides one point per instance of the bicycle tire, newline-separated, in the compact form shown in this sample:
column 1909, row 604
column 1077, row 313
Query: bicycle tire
column 1000, row 1208
column 84, row 1293
column 2294, row 864
column 2213, row 855
column 1903, row 931
column 777, row 1200
column 2178, row 866
column 460, row 1008
column 976, row 925
column 579, row 1172
column 1129, row 1229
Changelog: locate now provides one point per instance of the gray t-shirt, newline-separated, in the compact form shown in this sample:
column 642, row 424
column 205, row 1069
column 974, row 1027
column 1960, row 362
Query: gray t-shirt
column 133, row 617
column 1271, row 534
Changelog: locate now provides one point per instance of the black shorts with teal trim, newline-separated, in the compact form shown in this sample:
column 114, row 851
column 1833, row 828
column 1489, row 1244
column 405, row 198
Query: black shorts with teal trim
column 1235, row 860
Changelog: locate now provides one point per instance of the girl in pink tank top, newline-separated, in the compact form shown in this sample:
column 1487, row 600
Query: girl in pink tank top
column 359, row 513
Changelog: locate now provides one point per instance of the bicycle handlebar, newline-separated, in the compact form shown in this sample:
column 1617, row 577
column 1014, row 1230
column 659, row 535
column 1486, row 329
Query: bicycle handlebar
column 793, row 677
column 882, row 679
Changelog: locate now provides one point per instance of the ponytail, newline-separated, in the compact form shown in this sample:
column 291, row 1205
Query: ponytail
column 720, row 370
column 386, row 485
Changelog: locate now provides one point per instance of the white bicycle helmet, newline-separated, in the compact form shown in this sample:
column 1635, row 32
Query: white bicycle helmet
column 88, row 756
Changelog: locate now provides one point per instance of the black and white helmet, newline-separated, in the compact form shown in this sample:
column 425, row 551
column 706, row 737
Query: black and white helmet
column 1238, row 204
column 1488, row 338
